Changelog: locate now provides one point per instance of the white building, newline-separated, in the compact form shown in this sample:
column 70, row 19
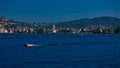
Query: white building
column 54, row 29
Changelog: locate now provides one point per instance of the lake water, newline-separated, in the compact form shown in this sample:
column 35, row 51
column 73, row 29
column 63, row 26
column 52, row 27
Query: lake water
column 60, row 51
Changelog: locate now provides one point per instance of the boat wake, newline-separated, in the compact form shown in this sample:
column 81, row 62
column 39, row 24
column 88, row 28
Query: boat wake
column 72, row 43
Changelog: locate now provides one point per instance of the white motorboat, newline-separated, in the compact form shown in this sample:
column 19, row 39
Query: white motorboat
column 30, row 45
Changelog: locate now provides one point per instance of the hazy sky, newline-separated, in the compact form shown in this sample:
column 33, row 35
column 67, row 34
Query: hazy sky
column 57, row 10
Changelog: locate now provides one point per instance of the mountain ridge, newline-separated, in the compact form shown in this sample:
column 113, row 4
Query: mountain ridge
column 97, row 21
column 106, row 21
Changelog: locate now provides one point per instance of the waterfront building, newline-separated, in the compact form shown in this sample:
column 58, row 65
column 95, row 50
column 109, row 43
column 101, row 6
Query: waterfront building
column 54, row 29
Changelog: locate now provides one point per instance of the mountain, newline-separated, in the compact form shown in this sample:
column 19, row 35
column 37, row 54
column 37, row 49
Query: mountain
column 104, row 21
column 94, row 22
column 90, row 25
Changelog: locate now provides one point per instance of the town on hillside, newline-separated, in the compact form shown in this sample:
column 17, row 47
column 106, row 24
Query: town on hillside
column 12, row 26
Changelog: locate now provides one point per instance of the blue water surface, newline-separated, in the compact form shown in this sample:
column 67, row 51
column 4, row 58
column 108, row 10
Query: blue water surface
column 60, row 51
